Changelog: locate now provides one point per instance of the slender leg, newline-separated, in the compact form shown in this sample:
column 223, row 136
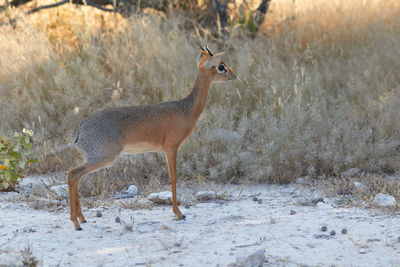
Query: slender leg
column 74, row 177
column 171, row 160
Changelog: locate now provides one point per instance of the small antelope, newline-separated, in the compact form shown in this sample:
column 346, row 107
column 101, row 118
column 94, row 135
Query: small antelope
column 161, row 127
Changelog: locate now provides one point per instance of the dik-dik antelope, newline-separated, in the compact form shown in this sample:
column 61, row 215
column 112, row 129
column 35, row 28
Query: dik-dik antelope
column 161, row 127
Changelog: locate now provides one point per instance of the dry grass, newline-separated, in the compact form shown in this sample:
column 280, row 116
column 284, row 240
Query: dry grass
column 318, row 91
column 372, row 184
column 28, row 259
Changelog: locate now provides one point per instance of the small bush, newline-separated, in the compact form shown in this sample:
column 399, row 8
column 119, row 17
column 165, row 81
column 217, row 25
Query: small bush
column 15, row 155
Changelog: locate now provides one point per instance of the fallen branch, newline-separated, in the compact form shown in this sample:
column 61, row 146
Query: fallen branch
column 79, row 2
column 47, row 6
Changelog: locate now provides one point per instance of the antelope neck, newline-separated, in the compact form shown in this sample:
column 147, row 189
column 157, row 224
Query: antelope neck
column 198, row 97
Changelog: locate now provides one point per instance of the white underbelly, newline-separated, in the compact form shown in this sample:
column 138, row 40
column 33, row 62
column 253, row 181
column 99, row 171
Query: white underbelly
column 141, row 148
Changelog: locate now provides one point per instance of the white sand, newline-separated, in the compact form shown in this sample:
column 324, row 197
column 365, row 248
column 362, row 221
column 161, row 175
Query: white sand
column 213, row 233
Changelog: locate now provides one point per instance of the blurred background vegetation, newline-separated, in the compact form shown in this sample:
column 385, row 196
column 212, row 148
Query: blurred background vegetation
column 318, row 88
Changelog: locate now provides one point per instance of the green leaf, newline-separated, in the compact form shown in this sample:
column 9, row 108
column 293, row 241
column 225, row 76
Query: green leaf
column 14, row 154
column 21, row 164
column 33, row 160
column 7, row 162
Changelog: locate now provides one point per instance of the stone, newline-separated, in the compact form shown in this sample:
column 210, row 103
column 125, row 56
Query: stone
column 98, row 214
column 324, row 228
column 333, row 232
column 60, row 190
column 292, row 212
column 301, row 180
column 259, row 201
column 344, row 231
column 384, row 200
column 361, row 188
column 205, row 195
column 164, row 197
column 117, row 219
column 316, row 197
column 322, row 236
column 29, row 230
column 322, row 205
column 132, row 190
column 144, row 202
column 255, row 259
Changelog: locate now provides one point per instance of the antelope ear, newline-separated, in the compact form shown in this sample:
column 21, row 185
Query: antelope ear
column 214, row 61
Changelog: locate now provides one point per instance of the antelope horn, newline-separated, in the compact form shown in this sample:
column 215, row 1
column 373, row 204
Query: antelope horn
column 211, row 54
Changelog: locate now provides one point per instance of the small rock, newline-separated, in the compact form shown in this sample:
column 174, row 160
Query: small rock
column 363, row 251
column 301, row 181
column 384, row 200
column 187, row 206
column 255, row 198
column 272, row 221
column 322, row 236
column 316, row 197
column 206, row 195
column 29, row 230
column 132, row 190
column 361, row 188
column 144, row 202
column 8, row 196
column 26, row 188
column 324, row 228
column 98, row 214
column 255, row 259
column 344, row 231
column 164, row 197
column 260, row 201
column 117, row 219
column 398, row 239
column 61, row 190
column 292, row 212
column 332, row 232
column 164, row 227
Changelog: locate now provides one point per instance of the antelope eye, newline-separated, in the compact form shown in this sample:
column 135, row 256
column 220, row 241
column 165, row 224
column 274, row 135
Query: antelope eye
column 221, row 68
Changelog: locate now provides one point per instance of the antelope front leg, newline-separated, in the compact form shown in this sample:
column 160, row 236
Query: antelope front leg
column 75, row 209
column 171, row 160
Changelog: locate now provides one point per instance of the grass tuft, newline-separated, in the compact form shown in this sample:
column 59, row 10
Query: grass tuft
column 318, row 90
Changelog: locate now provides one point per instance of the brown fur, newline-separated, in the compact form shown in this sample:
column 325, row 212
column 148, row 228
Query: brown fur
column 162, row 127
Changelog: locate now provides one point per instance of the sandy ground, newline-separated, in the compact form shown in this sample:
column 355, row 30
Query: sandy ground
column 214, row 233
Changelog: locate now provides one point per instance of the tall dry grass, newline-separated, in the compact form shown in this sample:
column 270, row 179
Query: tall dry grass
column 318, row 90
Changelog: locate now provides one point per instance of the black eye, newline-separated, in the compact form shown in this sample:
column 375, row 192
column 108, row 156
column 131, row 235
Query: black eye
column 221, row 68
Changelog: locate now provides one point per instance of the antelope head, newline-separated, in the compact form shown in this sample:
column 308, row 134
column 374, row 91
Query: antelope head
column 214, row 66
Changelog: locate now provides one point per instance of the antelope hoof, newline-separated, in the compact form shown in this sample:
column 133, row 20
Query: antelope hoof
column 179, row 215
column 76, row 225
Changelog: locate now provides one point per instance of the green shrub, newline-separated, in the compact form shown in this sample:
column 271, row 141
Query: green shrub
column 15, row 155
